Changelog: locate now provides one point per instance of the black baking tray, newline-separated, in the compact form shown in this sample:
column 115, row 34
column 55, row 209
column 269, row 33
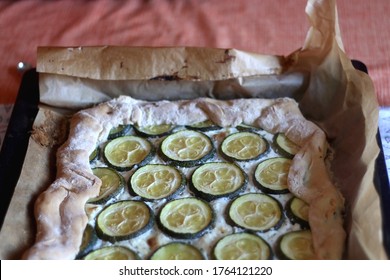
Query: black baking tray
column 20, row 126
column 16, row 139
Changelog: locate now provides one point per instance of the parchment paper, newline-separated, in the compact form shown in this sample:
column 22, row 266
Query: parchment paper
column 340, row 99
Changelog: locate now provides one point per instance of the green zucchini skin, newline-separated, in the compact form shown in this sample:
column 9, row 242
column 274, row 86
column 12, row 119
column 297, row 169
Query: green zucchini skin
column 183, row 235
column 208, row 126
column 178, row 247
column 119, row 131
column 140, row 132
column 234, row 159
column 247, row 128
column 267, row 247
column 210, row 197
column 278, row 149
column 233, row 223
column 115, row 238
column 187, row 163
column 293, row 217
column 168, row 197
column 146, row 159
column 116, row 192
column 88, row 241
column 270, row 191
column 278, row 246
column 264, row 188
column 95, row 155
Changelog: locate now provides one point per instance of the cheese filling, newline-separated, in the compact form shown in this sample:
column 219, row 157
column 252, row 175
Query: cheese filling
column 151, row 240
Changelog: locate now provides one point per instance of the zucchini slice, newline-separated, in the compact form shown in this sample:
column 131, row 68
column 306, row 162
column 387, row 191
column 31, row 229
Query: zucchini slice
column 156, row 181
column 217, row 179
column 177, row 251
column 120, row 130
column 296, row 245
column 112, row 253
column 154, row 130
column 123, row 220
column 186, row 218
column 298, row 212
column 244, row 146
column 112, row 184
column 94, row 155
column 246, row 128
column 271, row 175
column 284, row 146
column 186, row 148
column 124, row 152
column 204, row 126
column 242, row 246
column 88, row 241
column 256, row 212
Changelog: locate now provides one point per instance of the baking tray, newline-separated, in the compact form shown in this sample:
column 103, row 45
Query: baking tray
column 15, row 142
column 20, row 126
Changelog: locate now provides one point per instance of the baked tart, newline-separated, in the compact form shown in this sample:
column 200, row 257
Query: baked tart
column 191, row 179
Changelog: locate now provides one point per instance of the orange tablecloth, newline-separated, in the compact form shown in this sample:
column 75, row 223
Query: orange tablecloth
column 266, row 26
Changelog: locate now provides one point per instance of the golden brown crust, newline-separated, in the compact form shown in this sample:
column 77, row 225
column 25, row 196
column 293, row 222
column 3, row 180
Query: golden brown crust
column 60, row 212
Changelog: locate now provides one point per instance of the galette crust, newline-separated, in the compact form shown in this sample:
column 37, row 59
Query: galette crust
column 60, row 210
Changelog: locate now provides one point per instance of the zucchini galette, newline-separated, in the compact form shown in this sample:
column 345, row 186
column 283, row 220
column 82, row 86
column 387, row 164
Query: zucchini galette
column 191, row 179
